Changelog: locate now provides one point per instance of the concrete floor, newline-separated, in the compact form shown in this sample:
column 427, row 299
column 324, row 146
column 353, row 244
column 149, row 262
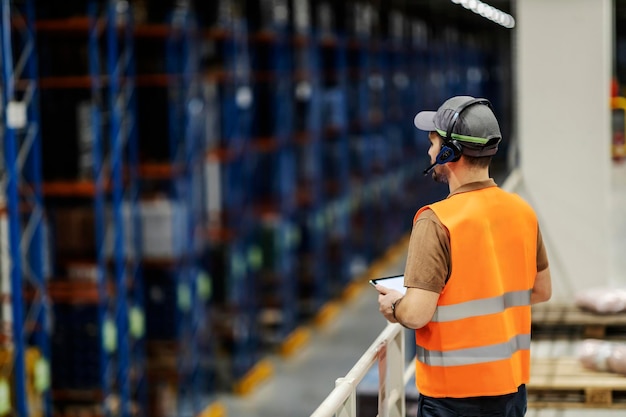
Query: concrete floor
column 303, row 381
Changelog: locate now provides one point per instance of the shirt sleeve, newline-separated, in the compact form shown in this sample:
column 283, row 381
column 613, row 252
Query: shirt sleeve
column 542, row 255
column 428, row 256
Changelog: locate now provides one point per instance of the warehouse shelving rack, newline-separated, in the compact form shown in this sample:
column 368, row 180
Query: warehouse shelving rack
column 108, row 281
column 135, row 296
column 425, row 91
column 313, row 288
column 383, row 141
column 272, row 155
column 186, row 151
column 234, row 255
column 375, row 195
column 123, row 160
column 288, row 204
column 22, row 158
column 403, row 60
column 336, row 157
column 172, row 149
column 364, row 119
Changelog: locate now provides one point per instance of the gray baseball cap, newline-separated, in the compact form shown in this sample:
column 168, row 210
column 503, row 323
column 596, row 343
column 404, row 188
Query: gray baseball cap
column 476, row 128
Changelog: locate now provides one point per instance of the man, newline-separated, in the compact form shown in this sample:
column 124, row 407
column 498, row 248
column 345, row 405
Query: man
column 476, row 262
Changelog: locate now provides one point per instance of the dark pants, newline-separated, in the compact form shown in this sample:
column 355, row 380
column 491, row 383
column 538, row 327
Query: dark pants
column 509, row 405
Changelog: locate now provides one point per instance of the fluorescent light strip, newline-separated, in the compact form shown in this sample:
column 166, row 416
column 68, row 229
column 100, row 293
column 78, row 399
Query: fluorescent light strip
column 488, row 12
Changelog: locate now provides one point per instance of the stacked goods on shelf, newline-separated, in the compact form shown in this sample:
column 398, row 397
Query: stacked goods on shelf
column 594, row 313
column 6, row 313
column 277, row 240
column 602, row 355
column 593, row 375
column 618, row 126
column 32, row 384
column 563, row 382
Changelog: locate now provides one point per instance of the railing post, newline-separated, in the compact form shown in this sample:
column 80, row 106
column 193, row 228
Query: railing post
column 388, row 351
column 394, row 381
column 348, row 408
column 391, row 393
column 382, row 380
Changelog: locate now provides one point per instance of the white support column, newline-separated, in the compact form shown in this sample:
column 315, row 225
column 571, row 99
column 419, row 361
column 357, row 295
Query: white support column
column 563, row 62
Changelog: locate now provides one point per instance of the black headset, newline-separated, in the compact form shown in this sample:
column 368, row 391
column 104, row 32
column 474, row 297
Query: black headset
column 451, row 150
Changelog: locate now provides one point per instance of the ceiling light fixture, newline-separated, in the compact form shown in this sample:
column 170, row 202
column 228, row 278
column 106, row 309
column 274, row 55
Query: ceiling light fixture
column 488, row 12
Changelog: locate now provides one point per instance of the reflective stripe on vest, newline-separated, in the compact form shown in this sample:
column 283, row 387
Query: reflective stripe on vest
column 481, row 307
column 476, row 355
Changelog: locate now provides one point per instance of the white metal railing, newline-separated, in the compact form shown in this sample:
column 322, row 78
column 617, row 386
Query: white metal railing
column 388, row 351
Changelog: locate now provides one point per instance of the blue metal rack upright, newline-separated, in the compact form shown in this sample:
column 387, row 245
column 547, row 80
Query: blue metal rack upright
column 234, row 258
column 383, row 142
column 362, row 137
column 136, row 307
column 336, row 157
column 22, row 157
column 273, row 153
column 113, row 311
column 399, row 114
column 186, row 155
column 403, row 105
column 105, row 319
column 175, row 289
column 123, row 148
column 308, row 131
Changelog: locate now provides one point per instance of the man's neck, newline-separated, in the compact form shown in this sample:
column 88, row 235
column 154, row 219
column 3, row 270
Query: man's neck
column 466, row 177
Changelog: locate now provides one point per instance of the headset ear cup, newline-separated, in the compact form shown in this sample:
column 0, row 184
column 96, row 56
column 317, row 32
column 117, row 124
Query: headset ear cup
column 450, row 152
column 446, row 154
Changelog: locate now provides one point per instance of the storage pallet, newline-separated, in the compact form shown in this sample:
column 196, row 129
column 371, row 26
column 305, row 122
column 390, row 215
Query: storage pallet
column 561, row 319
column 565, row 383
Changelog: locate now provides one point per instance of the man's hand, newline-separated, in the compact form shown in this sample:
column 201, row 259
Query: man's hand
column 386, row 297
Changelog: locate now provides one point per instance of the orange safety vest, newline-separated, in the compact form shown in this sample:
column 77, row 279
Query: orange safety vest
column 478, row 341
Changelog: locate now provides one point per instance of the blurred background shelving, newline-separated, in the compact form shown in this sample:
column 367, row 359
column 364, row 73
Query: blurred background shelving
column 189, row 182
